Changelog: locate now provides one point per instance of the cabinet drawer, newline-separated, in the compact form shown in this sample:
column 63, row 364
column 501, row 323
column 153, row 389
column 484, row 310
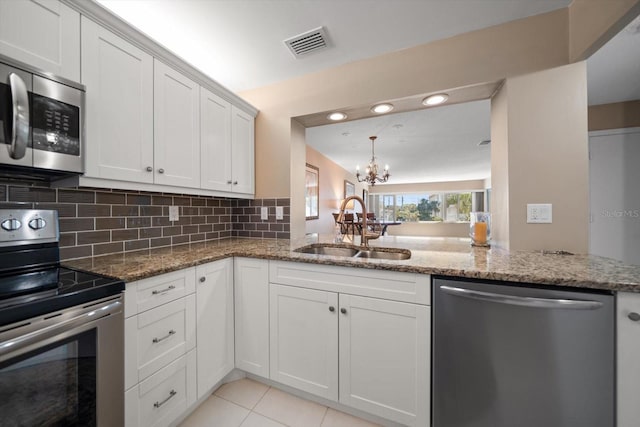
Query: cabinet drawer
column 164, row 396
column 157, row 337
column 148, row 293
column 406, row 287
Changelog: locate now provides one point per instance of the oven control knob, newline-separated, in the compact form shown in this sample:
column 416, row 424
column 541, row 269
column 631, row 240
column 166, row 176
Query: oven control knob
column 37, row 223
column 11, row 224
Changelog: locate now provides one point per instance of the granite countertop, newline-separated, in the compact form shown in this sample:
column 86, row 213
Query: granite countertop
column 430, row 255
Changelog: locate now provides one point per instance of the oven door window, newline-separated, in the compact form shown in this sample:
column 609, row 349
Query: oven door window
column 52, row 386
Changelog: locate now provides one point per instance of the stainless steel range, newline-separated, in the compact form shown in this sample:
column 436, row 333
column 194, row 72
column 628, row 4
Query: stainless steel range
column 61, row 332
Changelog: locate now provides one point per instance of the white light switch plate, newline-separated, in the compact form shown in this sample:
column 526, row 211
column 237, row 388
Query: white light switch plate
column 264, row 212
column 174, row 213
column 539, row 213
column 279, row 212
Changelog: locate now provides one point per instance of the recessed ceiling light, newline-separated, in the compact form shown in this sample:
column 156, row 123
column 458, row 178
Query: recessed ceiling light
column 337, row 116
column 381, row 108
column 435, row 99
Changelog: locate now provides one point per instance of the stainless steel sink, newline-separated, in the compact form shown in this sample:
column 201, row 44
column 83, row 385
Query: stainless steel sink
column 328, row 250
column 398, row 255
column 351, row 252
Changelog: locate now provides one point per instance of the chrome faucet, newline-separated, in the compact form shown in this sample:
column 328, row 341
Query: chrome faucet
column 365, row 235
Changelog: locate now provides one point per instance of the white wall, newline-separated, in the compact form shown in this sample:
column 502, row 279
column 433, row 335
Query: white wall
column 614, row 192
column 331, row 177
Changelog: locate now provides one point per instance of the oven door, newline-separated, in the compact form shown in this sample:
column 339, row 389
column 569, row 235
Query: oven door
column 65, row 368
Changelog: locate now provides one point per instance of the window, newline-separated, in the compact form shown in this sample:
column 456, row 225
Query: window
column 427, row 207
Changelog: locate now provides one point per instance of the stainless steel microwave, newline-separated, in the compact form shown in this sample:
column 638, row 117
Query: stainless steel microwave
column 42, row 121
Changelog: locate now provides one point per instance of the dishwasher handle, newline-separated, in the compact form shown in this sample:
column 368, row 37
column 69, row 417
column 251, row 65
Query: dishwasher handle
column 572, row 304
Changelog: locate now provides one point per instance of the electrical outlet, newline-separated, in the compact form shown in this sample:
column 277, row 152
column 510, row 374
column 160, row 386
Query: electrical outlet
column 264, row 213
column 174, row 213
column 279, row 212
column 540, row 213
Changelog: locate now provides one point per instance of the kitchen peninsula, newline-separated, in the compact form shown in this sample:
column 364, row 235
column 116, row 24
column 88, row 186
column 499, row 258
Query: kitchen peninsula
column 441, row 256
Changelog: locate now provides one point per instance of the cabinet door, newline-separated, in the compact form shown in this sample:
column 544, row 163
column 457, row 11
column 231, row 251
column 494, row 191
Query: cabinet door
column 251, row 290
column 385, row 359
column 242, row 151
column 215, row 142
column 119, row 106
column 214, row 294
column 628, row 355
column 42, row 33
column 304, row 339
column 176, row 112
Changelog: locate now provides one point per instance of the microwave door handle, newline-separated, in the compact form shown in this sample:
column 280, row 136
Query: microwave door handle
column 20, row 124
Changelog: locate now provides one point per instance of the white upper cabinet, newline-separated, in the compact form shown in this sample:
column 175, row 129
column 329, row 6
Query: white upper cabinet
column 119, row 106
column 176, row 127
column 242, row 151
column 227, row 146
column 215, row 142
column 42, row 33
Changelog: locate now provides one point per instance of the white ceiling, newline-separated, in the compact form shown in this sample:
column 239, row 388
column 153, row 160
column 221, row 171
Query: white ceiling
column 239, row 43
column 613, row 72
column 429, row 146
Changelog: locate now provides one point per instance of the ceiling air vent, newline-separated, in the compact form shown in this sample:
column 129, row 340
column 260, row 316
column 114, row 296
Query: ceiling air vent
column 307, row 42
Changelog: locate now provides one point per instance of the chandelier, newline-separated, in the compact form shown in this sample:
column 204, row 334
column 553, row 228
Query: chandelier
column 371, row 172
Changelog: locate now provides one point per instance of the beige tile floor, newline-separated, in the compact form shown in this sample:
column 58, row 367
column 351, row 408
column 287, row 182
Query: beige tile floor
column 248, row 403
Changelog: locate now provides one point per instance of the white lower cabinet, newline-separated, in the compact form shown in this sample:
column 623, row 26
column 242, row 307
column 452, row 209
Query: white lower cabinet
column 160, row 342
column 163, row 397
column 628, row 358
column 385, row 358
column 214, row 293
column 304, row 339
column 251, row 292
column 334, row 332
column 368, row 353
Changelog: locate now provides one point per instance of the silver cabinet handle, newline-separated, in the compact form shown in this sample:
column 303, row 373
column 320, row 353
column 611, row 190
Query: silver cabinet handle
column 162, row 291
column 149, row 169
column 522, row 301
column 229, row 182
column 235, row 182
column 20, row 124
column 171, row 394
column 157, row 340
column 160, row 170
column 343, row 310
column 634, row 316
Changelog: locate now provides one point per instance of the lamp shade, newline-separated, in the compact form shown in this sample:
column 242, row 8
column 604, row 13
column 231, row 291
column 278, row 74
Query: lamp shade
column 349, row 205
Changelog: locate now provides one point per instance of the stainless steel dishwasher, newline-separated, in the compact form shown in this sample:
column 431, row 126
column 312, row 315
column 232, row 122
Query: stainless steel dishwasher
column 521, row 356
